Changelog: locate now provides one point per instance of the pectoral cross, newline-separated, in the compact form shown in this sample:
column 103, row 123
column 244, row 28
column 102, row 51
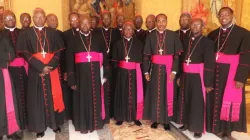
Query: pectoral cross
column 127, row 58
column 88, row 57
column 217, row 56
column 43, row 53
column 188, row 60
column 160, row 51
column 108, row 51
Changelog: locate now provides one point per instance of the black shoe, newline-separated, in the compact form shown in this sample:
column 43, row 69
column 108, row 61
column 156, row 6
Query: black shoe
column 58, row 130
column 183, row 128
column 197, row 135
column 40, row 135
column 15, row 137
column 166, row 127
column 119, row 122
column 226, row 135
column 154, row 125
column 138, row 123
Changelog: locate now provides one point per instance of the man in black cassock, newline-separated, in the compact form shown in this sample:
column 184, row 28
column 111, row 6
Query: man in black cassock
column 41, row 47
column 184, row 34
column 110, row 36
column 198, row 68
column 18, row 67
column 139, row 32
column 227, row 105
column 52, row 22
column 150, row 23
column 162, row 48
column 74, row 21
column 25, row 20
column 120, row 20
column 127, row 53
column 8, row 106
column 86, row 60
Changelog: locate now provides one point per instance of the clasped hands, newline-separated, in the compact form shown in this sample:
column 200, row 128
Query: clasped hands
column 46, row 70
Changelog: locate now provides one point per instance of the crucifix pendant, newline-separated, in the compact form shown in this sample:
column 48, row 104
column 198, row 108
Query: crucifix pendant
column 217, row 56
column 127, row 58
column 88, row 57
column 43, row 53
column 160, row 51
column 188, row 60
column 108, row 51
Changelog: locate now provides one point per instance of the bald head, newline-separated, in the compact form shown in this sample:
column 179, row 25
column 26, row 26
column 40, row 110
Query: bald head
column 150, row 22
column 39, row 17
column 85, row 24
column 138, row 20
column 25, row 20
column 128, row 29
column 52, row 21
column 9, row 19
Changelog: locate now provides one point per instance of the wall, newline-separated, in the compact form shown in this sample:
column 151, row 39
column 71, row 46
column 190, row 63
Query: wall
column 50, row 6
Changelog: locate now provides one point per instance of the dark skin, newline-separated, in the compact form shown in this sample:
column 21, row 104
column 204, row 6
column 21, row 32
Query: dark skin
column 74, row 21
column 161, row 24
column 106, row 20
column 9, row 19
column 185, row 21
column 225, row 17
column 120, row 20
column 25, row 20
column 94, row 22
column 150, row 22
column 128, row 30
column 138, row 22
column 52, row 21
column 39, row 20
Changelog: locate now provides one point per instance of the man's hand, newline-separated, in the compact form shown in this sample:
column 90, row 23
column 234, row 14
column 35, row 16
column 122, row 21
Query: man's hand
column 147, row 77
column 239, row 84
column 65, row 77
column 178, row 81
column 47, row 69
column 209, row 89
column 172, row 77
column 74, row 87
column 42, row 74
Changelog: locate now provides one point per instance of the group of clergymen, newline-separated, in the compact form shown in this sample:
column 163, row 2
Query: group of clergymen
column 125, row 73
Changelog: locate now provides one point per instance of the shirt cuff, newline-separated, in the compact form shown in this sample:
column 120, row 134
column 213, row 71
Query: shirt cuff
column 145, row 73
column 174, row 72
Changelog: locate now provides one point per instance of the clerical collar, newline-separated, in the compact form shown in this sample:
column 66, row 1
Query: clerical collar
column 151, row 30
column 128, row 39
column 185, row 31
column 106, row 29
column 138, row 30
column 120, row 29
column 227, row 27
column 161, row 32
column 77, row 29
column 11, row 29
column 39, row 28
column 85, row 34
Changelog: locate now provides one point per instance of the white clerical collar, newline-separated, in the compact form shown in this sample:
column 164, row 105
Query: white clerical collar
column 106, row 29
column 185, row 31
column 224, row 29
column 128, row 39
column 11, row 29
column 120, row 29
column 85, row 34
column 77, row 29
column 151, row 30
column 39, row 28
column 161, row 32
column 138, row 30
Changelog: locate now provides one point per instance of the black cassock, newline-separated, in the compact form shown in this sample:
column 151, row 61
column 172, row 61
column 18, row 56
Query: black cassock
column 155, row 107
column 109, row 36
column 7, row 54
column 125, row 97
column 141, row 35
column 19, row 76
column 237, row 43
column 120, row 32
column 87, row 101
column 191, row 99
column 42, row 107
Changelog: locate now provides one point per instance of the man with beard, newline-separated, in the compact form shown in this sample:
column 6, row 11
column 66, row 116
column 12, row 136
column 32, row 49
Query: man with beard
column 227, row 109
column 85, row 56
column 25, row 20
column 41, row 47
column 162, row 48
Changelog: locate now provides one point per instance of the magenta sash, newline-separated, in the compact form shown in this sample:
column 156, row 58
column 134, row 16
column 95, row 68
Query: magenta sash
column 199, row 69
column 139, row 86
column 166, row 60
column 81, row 57
column 10, row 109
column 232, row 96
column 19, row 62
